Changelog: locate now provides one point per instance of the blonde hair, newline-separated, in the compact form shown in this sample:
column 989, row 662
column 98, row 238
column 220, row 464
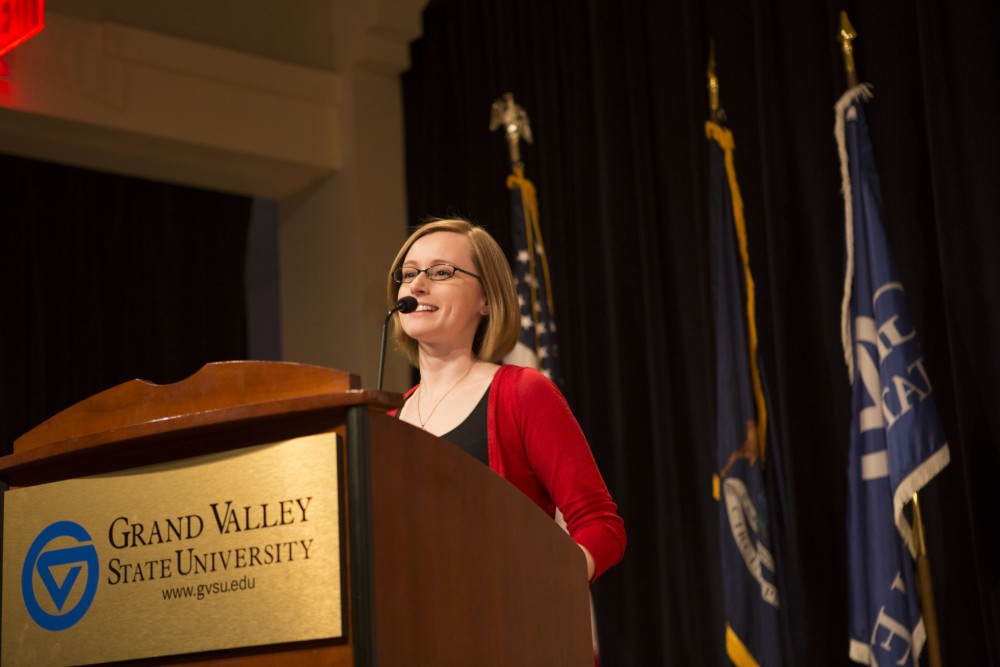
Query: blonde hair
column 499, row 329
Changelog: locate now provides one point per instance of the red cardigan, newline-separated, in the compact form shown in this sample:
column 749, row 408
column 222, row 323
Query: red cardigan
column 536, row 444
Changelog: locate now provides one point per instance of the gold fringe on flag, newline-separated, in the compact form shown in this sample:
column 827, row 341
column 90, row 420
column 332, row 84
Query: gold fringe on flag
column 737, row 650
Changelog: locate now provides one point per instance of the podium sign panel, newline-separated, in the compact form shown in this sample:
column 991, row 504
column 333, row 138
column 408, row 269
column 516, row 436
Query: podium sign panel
column 241, row 548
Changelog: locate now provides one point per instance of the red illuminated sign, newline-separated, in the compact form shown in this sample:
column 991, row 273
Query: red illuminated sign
column 19, row 20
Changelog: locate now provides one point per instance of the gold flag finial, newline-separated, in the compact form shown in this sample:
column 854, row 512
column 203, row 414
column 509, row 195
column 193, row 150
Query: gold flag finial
column 513, row 118
column 715, row 112
column 848, row 35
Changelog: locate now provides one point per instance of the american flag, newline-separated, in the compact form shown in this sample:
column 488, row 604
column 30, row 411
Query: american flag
column 537, row 346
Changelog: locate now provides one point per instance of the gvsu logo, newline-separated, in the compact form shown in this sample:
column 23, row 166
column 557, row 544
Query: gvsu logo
column 65, row 573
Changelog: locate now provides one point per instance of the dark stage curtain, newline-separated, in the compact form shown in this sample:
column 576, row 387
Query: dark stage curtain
column 106, row 279
column 616, row 96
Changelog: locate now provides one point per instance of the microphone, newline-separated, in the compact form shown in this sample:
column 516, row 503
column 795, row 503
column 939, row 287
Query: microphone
column 407, row 304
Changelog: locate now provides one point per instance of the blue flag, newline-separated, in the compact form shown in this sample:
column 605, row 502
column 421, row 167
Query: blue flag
column 536, row 346
column 748, row 565
column 897, row 444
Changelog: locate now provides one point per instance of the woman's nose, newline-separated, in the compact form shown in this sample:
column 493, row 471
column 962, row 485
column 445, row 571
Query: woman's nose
column 419, row 284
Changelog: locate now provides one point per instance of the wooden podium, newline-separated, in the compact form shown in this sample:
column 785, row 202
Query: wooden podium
column 446, row 563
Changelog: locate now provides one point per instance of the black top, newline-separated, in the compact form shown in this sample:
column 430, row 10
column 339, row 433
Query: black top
column 470, row 435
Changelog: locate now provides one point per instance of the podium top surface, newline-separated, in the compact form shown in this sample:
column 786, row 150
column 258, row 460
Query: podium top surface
column 218, row 394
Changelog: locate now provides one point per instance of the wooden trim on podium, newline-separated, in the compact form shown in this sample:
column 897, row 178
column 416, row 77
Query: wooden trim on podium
column 361, row 543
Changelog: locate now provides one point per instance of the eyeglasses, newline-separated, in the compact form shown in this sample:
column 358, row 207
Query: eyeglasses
column 437, row 273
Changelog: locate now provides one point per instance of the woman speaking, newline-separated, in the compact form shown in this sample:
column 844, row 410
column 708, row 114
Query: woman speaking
column 511, row 418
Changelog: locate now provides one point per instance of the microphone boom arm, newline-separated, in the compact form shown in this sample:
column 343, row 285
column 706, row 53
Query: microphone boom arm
column 405, row 305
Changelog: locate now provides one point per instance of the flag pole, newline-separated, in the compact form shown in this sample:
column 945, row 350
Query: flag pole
column 716, row 114
column 926, row 587
column 847, row 35
column 507, row 114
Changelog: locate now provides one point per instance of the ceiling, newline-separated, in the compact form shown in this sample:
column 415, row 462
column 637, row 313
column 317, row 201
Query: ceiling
column 296, row 31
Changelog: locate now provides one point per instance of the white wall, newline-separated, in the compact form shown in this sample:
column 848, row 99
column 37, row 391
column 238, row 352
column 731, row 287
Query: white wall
column 325, row 141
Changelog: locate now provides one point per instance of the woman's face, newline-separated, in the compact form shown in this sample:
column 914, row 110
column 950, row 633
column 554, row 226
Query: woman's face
column 449, row 311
